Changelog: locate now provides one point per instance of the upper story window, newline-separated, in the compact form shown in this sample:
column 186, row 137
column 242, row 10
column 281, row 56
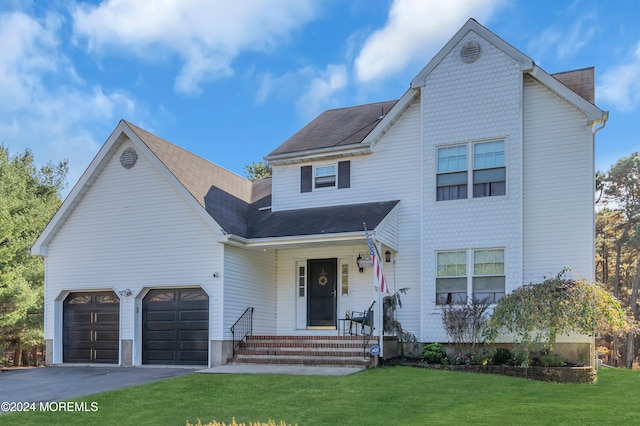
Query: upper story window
column 325, row 176
column 452, row 173
column 336, row 175
column 488, row 176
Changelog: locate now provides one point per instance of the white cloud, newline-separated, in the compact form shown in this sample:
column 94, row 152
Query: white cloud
column 413, row 32
column 621, row 84
column 44, row 105
column 567, row 40
column 207, row 35
column 314, row 89
column 322, row 87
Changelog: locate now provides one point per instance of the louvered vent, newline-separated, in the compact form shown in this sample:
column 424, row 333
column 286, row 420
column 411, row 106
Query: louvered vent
column 470, row 52
column 128, row 158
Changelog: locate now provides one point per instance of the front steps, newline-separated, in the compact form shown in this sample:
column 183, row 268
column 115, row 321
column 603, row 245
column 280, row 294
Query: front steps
column 346, row 351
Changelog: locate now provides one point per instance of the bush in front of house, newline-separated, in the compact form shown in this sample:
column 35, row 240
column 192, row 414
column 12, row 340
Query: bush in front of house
column 434, row 353
column 501, row 356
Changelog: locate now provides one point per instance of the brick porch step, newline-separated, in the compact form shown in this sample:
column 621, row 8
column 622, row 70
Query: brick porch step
column 303, row 350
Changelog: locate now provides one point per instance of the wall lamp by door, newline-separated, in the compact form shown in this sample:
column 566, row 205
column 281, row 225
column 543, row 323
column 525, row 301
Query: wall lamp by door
column 125, row 292
column 387, row 256
column 358, row 261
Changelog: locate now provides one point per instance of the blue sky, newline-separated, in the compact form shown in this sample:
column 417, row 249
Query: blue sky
column 231, row 80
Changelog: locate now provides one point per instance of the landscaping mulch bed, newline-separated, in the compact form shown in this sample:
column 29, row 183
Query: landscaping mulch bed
column 566, row 374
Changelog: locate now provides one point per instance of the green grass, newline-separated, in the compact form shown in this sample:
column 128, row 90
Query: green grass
column 392, row 395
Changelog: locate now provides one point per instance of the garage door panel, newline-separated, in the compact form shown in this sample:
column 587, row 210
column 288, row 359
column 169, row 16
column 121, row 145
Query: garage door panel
column 91, row 327
column 201, row 315
column 192, row 356
column 161, row 315
column 162, row 335
column 190, row 335
column 175, row 327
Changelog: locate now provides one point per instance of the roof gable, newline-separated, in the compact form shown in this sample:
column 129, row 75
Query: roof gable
column 208, row 188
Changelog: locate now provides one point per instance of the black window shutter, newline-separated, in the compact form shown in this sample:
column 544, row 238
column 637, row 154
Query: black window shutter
column 306, row 178
column 344, row 174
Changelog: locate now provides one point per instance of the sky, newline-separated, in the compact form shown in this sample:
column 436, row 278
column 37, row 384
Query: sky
column 232, row 80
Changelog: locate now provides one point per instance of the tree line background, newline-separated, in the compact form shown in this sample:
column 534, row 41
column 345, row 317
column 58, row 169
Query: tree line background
column 30, row 195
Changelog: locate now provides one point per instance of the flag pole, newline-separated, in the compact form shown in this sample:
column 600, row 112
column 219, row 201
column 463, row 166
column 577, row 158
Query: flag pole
column 378, row 280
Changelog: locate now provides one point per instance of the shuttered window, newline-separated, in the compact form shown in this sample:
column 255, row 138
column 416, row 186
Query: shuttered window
column 325, row 176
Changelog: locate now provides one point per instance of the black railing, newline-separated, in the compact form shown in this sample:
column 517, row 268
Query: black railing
column 242, row 328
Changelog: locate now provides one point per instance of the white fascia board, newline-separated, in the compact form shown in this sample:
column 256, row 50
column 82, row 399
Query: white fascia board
column 592, row 112
column 298, row 240
column 295, row 240
column 320, row 153
column 472, row 25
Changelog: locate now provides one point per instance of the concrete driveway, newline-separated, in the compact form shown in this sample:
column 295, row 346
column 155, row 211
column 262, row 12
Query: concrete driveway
column 63, row 383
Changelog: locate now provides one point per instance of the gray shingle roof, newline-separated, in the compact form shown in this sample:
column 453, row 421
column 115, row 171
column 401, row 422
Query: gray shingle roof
column 317, row 221
column 235, row 202
column 336, row 127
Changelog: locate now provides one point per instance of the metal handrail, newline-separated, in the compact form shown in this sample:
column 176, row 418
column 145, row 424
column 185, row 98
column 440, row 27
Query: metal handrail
column 244, row 324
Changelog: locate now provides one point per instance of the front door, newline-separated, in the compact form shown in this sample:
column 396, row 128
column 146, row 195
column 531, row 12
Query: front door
column 321, row 298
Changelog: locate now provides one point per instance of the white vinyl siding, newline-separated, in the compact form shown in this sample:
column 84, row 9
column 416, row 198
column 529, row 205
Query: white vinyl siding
column 249, row 281
column 465, row 104
column 559, row 187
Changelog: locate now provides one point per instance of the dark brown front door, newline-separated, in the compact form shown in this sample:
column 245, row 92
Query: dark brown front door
column 321, row 298
column 175, row 327
column 91, row 327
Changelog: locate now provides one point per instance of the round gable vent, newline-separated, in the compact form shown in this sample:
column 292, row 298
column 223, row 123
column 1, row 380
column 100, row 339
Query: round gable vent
column 128, row 158
column 470, row 52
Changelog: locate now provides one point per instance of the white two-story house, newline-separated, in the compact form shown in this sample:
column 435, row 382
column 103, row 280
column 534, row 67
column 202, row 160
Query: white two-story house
column 479, row 179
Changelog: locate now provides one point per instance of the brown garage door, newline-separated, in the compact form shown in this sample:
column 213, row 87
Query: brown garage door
column 91, row 327
column 175, row 327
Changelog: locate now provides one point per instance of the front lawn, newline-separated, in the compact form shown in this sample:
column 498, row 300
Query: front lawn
column 390, row 395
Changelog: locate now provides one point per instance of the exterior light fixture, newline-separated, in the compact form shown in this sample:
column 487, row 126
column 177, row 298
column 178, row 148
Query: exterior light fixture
column 358, row 261
column 387, row 256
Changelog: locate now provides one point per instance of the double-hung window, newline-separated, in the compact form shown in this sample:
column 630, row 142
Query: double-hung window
column 488, row 275
column 452, row 173
column 451, row 281
column 488, row 177
column 483, row 278
column 489, row 174
column 325, row 176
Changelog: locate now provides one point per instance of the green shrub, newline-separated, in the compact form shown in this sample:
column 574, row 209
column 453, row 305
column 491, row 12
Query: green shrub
column 434, row 353
column 501, row 356
column 551, row 360
column 480, row 358
column 520, row 359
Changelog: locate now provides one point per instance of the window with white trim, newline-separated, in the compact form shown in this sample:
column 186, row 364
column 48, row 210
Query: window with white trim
column 488, row 177
column 488, row 275
column 452, row 178
column 451, row 281
column 324, row 176
column 482, row 277
column 489, row 174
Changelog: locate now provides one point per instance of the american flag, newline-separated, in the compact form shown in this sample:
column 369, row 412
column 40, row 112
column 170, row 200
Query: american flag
column 377, row 267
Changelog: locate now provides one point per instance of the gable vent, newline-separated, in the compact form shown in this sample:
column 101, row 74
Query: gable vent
column 470, row 52
column 128, row 158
